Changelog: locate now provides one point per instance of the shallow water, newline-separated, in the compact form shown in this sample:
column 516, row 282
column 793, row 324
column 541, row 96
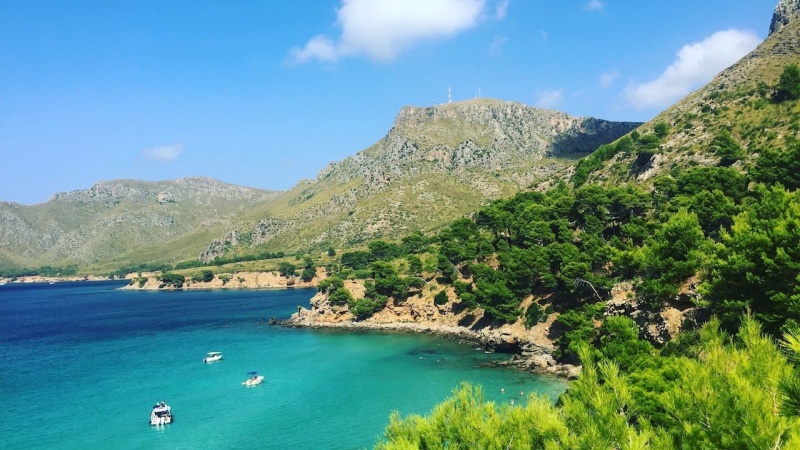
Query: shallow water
column 83, row 363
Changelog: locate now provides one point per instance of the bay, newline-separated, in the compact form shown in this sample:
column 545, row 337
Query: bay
column 83, row 363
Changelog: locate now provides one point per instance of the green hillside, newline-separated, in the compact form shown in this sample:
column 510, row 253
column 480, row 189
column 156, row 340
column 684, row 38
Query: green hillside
column 667, row 263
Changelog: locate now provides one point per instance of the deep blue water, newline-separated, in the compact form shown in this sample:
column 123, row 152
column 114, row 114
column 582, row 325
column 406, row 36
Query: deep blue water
column 82, row 364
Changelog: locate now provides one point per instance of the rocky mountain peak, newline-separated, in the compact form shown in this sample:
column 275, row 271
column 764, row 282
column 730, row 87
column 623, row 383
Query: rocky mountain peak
column 786, row 12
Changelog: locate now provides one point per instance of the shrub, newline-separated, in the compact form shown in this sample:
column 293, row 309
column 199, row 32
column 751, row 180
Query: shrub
column 286, row 269
column 171, row 279
column 440, row 298
column 788, row 87
column 533, row 314
column 341, row 296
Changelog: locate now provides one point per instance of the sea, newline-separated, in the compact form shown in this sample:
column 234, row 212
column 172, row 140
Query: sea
column 83, row 363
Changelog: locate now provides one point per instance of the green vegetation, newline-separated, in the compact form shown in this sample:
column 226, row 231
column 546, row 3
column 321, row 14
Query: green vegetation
column 44, row 271
column 788, row 87
column 287, row 269
column 734, row 231
column 730, row 393
column 203, row 277
column 171, row 279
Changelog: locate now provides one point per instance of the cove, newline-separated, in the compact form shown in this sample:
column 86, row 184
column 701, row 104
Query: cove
column 84, row 363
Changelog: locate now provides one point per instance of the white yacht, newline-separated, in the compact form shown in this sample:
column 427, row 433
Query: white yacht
column 212, row 356
column 161, row 414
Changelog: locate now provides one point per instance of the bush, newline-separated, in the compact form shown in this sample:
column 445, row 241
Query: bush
column 171, row 279
column 788, row 87
column 366, row 307
column 341, row 296
column 307, row 274
column 533, row 314
column 440, row 298
column 287, row 269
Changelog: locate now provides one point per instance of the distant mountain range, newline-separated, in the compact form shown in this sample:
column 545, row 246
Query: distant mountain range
column 116, row 222
column 435, row 164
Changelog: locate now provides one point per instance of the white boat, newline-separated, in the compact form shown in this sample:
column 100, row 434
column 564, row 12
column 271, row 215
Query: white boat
column 212, row 356
column 161, row 414
column 254, row 379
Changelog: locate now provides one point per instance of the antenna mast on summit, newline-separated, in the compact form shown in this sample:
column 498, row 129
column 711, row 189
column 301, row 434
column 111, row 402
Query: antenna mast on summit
column 449, row 96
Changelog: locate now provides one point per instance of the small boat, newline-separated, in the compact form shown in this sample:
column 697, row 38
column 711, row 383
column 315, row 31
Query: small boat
column 212, row 356
column 161, row 414
column 254, row 379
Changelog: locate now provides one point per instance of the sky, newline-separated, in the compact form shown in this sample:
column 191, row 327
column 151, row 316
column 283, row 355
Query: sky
column 266, row 93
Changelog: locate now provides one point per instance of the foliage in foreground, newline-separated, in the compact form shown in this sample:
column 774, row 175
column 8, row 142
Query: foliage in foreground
column 736, row 393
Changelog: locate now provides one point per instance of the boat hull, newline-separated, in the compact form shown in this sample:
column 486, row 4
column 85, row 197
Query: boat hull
column 161, row 415
column 254, row 381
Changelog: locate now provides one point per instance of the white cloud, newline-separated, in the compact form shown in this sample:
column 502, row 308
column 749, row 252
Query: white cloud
column 594, row 5
column 608, row 78
column 695, row 65
column 550, row 98
column 165, row 153
column 382, row 29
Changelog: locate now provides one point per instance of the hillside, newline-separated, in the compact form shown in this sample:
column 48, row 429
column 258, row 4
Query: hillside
column 663, row 228
column 669, row 268
column 434, row 164
column 119, row 221
column 738, row 102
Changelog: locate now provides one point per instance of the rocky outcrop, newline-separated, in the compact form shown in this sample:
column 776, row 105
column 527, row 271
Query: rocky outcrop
column 658, row 325
column 531, row 349
column 217, row 247
column 479, row 134
column 195, row 190
column 786, row 12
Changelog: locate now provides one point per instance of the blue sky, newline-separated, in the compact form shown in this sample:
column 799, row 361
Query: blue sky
column 265, row 93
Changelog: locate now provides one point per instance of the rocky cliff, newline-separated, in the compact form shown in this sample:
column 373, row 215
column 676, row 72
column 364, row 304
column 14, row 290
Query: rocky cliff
column 533, row 346
column 786, row 12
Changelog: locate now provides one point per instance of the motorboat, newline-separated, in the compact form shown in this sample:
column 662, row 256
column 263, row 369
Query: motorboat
column 254, row 379
column 212, row 356
column 161, row 414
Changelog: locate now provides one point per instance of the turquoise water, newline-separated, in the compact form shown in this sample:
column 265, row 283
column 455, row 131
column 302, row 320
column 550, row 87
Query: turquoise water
column 83, row 363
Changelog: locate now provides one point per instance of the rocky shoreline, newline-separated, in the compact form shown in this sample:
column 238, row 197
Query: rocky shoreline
column 528, row 349
column 237, row 280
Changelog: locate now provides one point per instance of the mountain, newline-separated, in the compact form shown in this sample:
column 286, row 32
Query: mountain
column 692, row 216
column 120, row 221
column 435, row 163
column 739, row 101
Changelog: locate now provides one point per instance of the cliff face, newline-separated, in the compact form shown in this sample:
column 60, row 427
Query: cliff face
column 786, row 12
column 481, row 134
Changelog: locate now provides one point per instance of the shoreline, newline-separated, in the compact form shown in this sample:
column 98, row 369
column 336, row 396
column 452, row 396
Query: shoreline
column 525, row 354
column 238, row 280
column 51, row 280
column 530, row 358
